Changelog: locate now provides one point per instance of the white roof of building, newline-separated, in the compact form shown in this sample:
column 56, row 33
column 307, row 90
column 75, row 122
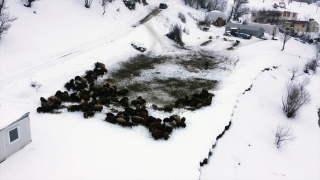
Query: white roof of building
column 214, row 15
column 9, row 115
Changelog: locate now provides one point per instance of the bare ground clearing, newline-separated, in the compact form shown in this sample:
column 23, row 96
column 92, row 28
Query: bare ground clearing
column 163, row 79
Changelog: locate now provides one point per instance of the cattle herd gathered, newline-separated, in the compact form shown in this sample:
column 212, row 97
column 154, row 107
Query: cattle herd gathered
column 89, row 97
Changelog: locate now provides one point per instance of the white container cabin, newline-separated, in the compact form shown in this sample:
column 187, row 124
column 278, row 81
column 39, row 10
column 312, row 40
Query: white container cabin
column 15, row 133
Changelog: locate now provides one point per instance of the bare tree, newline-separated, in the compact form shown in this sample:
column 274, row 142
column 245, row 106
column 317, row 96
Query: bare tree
column 230, row 13
column 283, row 134
column 307, row 33
column 2, row 6
column 319, row 116
column 189, row 2
column 243, row 10
column 240, row 8
column 144, row 2
column 317, row 52
column 313, row 63
column 274, row 32
column 35, row 84
column 182, row 17
column 284, row 37
column 210, row 5
column 245, row 20
column 104, row 5
column 87, row 3
column 175, row 34
column 294, row 70
column 267, row 16
column 307, row 17
column 29, row 3
column 202, row 3
column 5, row 18
column 295, row 96
column 220, row 5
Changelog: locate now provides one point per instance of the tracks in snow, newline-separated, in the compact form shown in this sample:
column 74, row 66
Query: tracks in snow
column 69, row 54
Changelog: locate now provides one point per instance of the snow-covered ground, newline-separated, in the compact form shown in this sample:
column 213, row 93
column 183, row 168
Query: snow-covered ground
column 246, row 150
column 54, row 41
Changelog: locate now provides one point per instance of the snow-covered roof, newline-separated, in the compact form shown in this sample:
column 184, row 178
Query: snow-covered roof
column 214, row 15
column 267, row 27
column 254, row 28
column 10, row 115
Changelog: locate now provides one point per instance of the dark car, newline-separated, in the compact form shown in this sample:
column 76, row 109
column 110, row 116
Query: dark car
column 131, row 4
column 163, row 6
column 244, row 35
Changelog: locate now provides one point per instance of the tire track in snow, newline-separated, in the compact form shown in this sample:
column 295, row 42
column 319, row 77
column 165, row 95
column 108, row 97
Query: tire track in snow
column 156, row 39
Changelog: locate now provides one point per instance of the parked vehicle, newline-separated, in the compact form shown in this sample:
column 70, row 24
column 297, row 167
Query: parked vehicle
column 234, row 32
column 163, row 6
column 206, row 28
column 244, row 36
column 131, row 4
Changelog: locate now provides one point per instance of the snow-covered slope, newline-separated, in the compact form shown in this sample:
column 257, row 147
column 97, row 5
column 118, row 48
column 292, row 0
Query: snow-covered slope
column 247, row 151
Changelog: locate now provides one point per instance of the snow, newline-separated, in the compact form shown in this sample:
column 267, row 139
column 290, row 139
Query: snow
column 214, row 15
column 14, row 113
column 63, row 39
column 255, row 112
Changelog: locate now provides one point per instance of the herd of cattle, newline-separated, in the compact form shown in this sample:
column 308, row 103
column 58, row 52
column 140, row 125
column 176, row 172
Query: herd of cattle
column 88, row 97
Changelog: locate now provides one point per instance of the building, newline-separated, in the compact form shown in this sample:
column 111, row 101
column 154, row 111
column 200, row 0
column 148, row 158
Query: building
column 300, row 26
column 247, row 29
column 14, row 133
column 287, row 15
column 268, row 28
column 284, row 15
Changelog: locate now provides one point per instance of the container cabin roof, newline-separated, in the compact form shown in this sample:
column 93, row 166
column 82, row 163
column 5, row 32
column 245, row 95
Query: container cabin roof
column 9, row 115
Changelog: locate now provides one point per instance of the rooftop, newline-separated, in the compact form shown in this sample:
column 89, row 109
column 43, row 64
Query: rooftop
column 249, row 27
column 15, row 114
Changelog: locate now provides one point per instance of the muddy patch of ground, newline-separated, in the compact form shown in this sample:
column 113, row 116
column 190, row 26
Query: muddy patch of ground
column 162, row 79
